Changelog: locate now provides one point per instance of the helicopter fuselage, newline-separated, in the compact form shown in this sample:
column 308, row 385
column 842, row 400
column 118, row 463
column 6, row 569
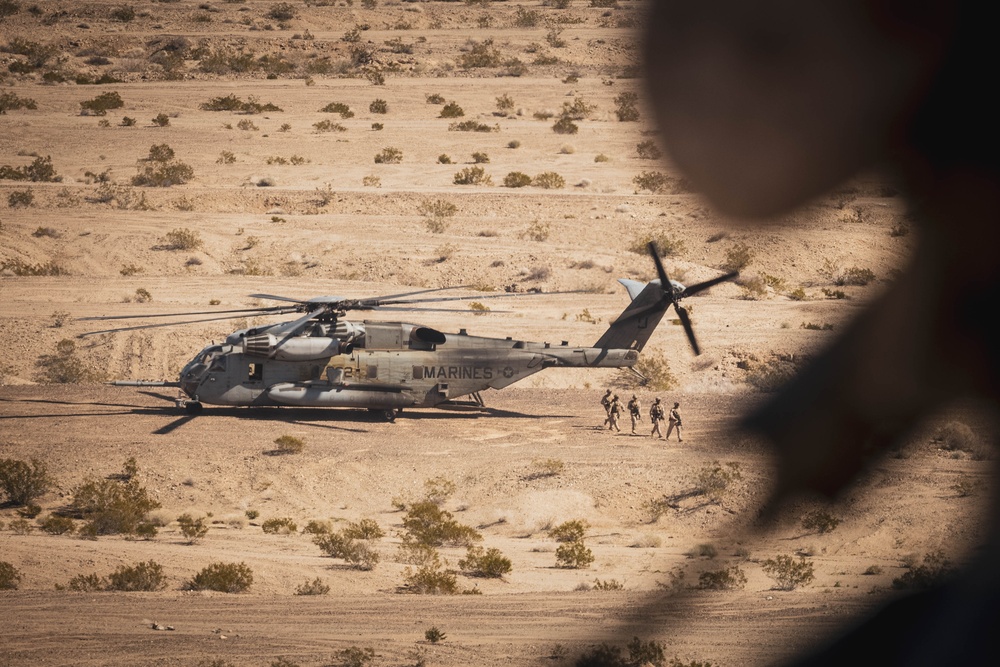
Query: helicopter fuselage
column 374, row 365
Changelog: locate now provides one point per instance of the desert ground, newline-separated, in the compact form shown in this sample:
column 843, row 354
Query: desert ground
column 295, row 202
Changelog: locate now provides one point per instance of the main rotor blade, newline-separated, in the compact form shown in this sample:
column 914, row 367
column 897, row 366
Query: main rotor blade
column 668, row 287
column 700, row 287
column 688, row 329
column 154, row 326
column 279, row 310
column 423, row 291
column 274, row 297
column 475, row 297
column 295, row 327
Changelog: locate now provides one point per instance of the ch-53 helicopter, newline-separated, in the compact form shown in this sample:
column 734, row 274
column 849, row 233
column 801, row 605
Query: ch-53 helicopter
column 323, row 360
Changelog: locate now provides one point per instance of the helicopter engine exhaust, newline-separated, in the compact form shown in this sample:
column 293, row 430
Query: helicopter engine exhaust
column 294, row 349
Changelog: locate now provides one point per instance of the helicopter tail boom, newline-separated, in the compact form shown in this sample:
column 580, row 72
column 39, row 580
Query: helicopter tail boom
column 638, row 321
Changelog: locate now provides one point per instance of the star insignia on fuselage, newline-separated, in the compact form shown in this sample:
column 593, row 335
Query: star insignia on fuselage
column 508, row 372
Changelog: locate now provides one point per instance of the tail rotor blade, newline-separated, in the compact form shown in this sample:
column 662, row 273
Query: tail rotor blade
column 665, row 283
column 700, row 287
column 688, row 329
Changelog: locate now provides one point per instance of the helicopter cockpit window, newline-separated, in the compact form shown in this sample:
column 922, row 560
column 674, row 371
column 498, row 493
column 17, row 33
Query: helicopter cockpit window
column 218, row 364
column 255, row 373
column 205, row 355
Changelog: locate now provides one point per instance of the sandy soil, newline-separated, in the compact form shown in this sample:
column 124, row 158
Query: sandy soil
column 339, row 223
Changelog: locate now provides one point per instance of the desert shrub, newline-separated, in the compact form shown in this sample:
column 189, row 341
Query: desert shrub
column 472, row 126
column 451, row 110
column 160, row 120
column 226, row 157
column 648, row 150
column 738, row 257
column 505, row 104
column 365, row 529
column 87, row 583
column 444, row 158
column 21, row 198
column 527, row 18
column 546, row 468
column 430, row 578
column 427, row 524
column 63, row 367
column 10, row 576
column 666, row 245
column 569, row 531
column 472, row 176
column 434, row 98
column 481, row 54
column 160, row 153
column 22, row 482
column 21, row 526
column 934, row 570
column 123, row 14
column 283, row 11
column 55, row 524
column 435, row 635
column 100, row 105
column 289, row 444
column 787, row 572
column 625, row 106
column 378, row 106
column 246, row 125
column 338, row 107
column 223, row 577
column 715, row 480
column 389, row 155
column 726, row 579
column 163, row 173
column 191, row 528
column 514, row 143
column 112, row 506
column 279, row 525
column 578, row 109
column 143, row 576
column 653, row 181
column 358, row 552
column 437, row 208
column 855, row 276
column 355, row 656
column 548, row 180
column 371, row 181
column 329, row 126
column 820, row 521
column 608, row 585
column 654, row 372
column 314, row 587
column 314, row 527
column 40, row 170
column 182, row 239
column 565, row 125
column 480, row 158
column 516, row 179
column 490, row 563
column 573, row 555
column 10, row 101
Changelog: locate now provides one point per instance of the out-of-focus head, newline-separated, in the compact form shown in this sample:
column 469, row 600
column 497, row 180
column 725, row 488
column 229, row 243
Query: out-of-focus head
column 766, row 104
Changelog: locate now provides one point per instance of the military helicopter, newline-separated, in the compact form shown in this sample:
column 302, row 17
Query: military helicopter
column 324, row 360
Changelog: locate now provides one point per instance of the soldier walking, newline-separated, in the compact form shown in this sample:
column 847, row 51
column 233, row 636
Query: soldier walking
column 674, row 422
column 656, row 416
column 614, row 411
column 606, row 402
column 634, row 411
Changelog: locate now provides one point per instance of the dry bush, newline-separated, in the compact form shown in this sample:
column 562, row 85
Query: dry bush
column 625, row 106
column 389, row 155
column 574, row 556
column 435, row 210
column 144, row 576
column 654, row 372
column 648, row 150
column 481, row 54
column 39, row 171
column 113, row 506
column 516, row 179
column 279, row 526
column 430, row 578
column 666, row 245
column 546, row 468
column 428, row 524
column 472, row 126
column 338, row 107
column 434, row 98
column 22, row 482
column 934, row 570
column 191, row 528
column 715, row 480
column 549, row 180
column 64, row 367
column 182, row 239
column 365, row 529
column 472, row 176
column 10, row 576
column 820, row 521
column 569, row 531
column 360, row 553
column 11, row 101
column 100, row 105
column 451, row 110
column 489, row 563
column 565, row 125
column 480, row 158
column 379, row 106
column 726, row 579
column 315, row 587
column 55, row 524
column 289, row 444
column 223, row 577
column 787, row 572
column 435, row 635
column 329, row 126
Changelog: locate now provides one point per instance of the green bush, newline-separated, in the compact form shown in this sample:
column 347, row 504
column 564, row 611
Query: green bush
column 10, row 576
column 279, row 525
column 389, row 155
column 329, row 126
column 358, row 552
column 434, row 98
column 163, row 174
column 652, row 181
column 145, row 576
column 10, row 101
column 58, row 525
column 787, row 572
column 489, row 563
column 355, row 656
column 21, row 199
column 378, row 106
column 481, row 54
column 22, row 482
column 569, row 531
column 100, row 105
column 716, row 481
column 112, row 506
column 191, row 528
column 39, row 171
column 451, row 110
column 565, row 125
column 223, row 577
column 435, row 635
column 548, row 180
column 430, row 578
column 516, row 179
column 472, row 126
column 87, row 583
column 365, row 529
column 625, row 106
column 160, row 120
column 338, row 107
column 480, row 158
column 282, row 11
column 428, row 524
column 574, row 555
column 820, row 521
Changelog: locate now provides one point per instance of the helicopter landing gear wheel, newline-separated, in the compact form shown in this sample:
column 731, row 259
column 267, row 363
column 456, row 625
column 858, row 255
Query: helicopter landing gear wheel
column 391, row 414
column 192, row 407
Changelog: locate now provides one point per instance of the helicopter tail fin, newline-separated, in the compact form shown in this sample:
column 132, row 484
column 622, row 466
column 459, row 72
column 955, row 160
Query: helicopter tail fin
column 638, row 321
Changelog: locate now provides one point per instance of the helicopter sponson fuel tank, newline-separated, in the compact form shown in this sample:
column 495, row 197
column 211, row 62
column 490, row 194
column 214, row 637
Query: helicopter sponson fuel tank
column 288, row 393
